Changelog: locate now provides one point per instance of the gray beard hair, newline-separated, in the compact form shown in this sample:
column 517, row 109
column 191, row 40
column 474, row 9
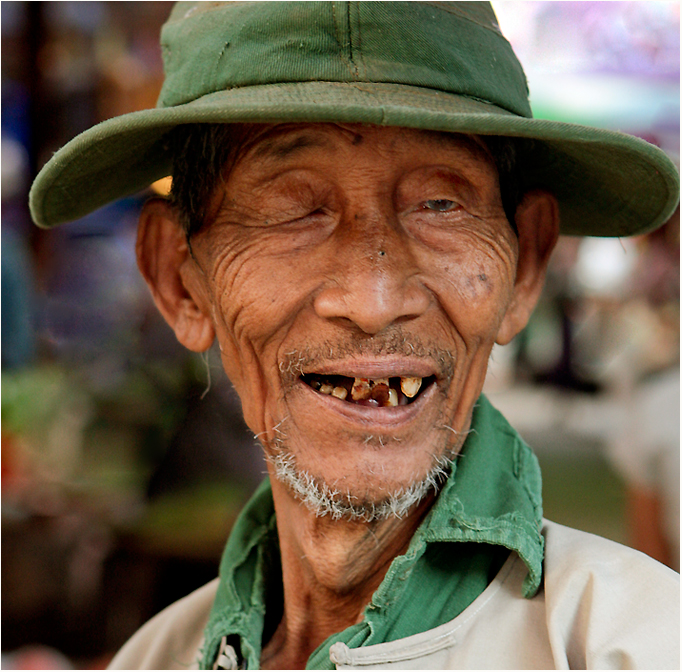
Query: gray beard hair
column 324, row 500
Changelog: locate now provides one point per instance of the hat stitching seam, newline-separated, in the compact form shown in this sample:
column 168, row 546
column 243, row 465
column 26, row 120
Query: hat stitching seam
column 358, row 54
column 337, row 30
column 220, row 55
column 357, row 84
column 354, row 71
column 442, row 6
column 219, row 6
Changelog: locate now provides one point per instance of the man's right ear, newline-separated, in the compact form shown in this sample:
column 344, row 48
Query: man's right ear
column 174, row 278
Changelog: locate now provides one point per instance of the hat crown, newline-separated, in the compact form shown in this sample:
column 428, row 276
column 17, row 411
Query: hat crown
column 454, row 47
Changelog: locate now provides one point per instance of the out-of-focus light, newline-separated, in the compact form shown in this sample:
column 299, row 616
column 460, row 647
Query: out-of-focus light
column 613, row 65
column 162, row 187
column 604, row 265
column 14, row 167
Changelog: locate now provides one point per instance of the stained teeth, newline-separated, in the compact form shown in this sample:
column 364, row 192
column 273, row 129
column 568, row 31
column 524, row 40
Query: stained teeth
column 362, row 389
column 368, row 391
column 410, row 386
column 340, row 392
column 369, row 388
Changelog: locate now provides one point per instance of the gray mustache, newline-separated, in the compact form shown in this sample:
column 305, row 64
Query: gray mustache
column 310, row 357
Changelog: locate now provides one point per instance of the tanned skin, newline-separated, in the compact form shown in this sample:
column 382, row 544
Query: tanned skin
column 365, row 252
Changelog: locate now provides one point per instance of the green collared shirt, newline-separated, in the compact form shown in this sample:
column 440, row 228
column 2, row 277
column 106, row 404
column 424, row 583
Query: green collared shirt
column 491, row 504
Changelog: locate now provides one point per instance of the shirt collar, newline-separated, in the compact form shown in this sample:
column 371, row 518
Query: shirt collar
column 493, row 496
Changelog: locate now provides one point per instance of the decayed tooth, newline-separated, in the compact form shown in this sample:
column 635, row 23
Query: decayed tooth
column 410, row 386
column 340, row 392
column 361, row 389
column 392, row 398
column 326, row 388
column 380, row 393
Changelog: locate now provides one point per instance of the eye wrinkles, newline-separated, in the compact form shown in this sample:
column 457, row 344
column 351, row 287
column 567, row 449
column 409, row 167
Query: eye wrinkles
column 302, row 179
column 280, row 198
column 443, row 195
column 438, row 183
column 295, row 193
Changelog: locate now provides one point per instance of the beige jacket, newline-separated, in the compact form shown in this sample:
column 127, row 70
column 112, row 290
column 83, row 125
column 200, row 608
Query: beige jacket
column 602, row 606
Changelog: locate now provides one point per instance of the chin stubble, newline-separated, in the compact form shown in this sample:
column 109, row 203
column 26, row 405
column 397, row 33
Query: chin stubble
column 323, row 499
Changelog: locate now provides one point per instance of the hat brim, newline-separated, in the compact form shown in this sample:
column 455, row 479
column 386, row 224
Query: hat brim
column 607, row 183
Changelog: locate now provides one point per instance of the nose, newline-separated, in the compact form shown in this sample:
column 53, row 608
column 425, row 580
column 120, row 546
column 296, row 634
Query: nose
column 374, row 281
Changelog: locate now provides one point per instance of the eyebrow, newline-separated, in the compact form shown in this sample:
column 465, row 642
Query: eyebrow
column 459, row 141
column 280, row 149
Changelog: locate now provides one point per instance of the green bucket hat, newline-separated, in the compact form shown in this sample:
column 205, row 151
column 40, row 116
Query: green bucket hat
column 441, row 66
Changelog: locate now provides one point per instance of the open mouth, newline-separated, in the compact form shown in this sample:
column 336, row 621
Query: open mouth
column 377, row 392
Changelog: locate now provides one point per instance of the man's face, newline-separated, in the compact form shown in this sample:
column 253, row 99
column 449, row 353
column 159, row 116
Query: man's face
column 342, row 253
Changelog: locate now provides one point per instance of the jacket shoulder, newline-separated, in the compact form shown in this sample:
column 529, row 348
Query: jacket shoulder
column 172, row 639
column 609, row 606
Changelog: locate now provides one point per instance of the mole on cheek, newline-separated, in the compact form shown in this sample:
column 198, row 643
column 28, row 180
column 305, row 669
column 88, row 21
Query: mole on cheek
column 476, row 286
column 484, row 283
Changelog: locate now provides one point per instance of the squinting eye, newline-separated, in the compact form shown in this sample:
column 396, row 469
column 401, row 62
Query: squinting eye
column 439, row 205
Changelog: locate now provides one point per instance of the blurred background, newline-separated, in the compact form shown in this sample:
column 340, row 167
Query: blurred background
column 124, row 457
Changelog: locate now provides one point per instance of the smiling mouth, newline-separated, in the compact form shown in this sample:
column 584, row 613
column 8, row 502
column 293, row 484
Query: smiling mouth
column 375, row 392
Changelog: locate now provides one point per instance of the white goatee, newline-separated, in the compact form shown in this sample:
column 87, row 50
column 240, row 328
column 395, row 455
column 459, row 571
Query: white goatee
column 324, row 500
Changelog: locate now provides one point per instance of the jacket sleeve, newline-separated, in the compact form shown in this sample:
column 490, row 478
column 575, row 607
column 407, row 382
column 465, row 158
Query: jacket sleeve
column 609, row 606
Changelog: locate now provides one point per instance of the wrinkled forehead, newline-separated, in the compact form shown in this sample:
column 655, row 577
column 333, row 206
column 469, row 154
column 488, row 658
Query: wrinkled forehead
column 278, row 142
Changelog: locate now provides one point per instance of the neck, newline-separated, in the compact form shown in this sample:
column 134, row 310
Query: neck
column 330, row 570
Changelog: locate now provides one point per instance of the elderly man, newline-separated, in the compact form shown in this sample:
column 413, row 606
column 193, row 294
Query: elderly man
column 362, row 206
